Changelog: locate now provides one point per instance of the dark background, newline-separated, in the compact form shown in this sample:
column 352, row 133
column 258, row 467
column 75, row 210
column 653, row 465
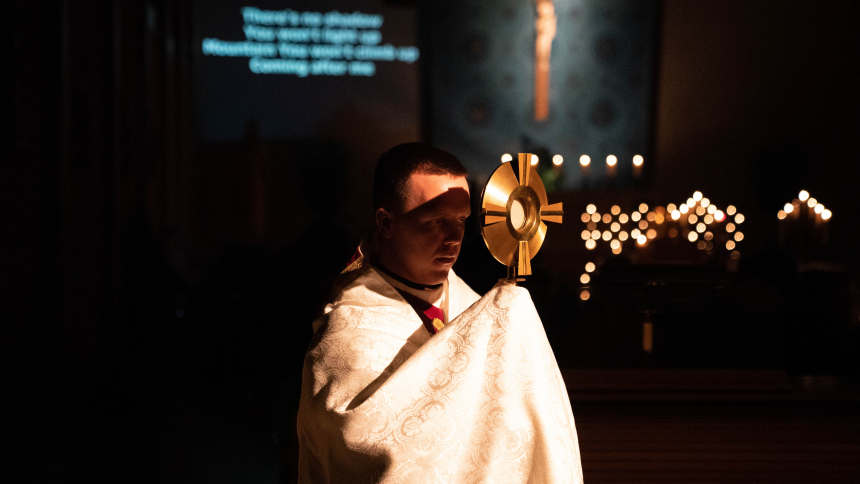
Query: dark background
column 153, row 331
column 227, row 94
column 480, row 80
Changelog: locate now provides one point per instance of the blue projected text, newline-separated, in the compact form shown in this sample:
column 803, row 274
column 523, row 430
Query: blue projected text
column 310, row 43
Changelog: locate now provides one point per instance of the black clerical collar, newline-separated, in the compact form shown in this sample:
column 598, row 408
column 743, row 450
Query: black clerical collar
column 406, row 282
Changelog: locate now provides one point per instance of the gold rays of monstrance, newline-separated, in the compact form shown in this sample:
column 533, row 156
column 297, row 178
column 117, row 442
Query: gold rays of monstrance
column 513, row 211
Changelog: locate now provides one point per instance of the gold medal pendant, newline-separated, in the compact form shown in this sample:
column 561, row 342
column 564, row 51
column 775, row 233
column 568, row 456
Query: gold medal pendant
column 438, row 324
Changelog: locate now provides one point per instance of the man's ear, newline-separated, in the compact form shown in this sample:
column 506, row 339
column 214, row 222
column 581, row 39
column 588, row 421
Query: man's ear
column 384, row 221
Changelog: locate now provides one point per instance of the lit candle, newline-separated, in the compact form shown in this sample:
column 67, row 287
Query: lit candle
column 818, row 209
column 638, row 161
column 611, row 162
column 584, row 164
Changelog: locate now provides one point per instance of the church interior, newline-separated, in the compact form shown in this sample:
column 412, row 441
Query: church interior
column 187, row 178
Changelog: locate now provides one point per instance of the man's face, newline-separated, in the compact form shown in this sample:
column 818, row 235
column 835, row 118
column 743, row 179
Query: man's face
column 422, row 243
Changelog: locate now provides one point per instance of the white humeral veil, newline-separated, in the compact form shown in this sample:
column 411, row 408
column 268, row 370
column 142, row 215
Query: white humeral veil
column 482, row 401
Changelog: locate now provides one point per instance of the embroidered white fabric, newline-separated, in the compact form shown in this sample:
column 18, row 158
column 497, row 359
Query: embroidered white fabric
column 482, row 401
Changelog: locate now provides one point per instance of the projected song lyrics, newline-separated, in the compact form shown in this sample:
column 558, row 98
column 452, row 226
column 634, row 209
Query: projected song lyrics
column 311, row 43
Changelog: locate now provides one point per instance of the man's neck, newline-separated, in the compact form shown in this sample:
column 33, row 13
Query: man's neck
column 437, row 297
column 393, row 273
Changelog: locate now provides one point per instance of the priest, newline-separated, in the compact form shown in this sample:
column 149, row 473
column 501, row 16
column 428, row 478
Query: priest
column 412, row 377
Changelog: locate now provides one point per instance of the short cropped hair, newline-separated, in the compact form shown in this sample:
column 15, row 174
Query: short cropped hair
column 395, row 166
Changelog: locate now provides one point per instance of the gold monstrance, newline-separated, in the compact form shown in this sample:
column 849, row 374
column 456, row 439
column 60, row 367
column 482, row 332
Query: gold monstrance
column 513, row 211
